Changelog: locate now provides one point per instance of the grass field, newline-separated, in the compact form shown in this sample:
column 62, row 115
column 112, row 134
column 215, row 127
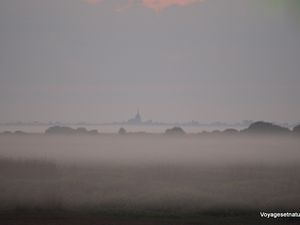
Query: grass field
column 147, row 180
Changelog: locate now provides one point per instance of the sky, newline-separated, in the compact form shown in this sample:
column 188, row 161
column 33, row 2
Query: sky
column 175, row 60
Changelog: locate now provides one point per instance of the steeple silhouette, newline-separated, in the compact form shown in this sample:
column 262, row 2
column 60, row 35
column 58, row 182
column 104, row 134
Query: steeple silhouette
column 138, row 115
column 137, row 119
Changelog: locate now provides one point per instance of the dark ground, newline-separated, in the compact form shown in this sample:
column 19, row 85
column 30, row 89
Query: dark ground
column 125, row 218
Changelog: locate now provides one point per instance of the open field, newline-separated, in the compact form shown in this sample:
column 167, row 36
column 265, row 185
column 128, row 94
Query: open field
column 147, row 180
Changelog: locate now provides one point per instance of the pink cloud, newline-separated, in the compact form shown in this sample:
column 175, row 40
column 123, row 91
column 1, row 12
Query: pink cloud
column 156, row 5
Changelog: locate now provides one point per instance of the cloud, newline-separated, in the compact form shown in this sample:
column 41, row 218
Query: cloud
column 159, row 5
column 156, row 5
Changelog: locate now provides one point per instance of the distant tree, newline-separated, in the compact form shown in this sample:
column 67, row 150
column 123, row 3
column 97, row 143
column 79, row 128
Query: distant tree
column 204, row 133
column 122, row 131
column 261, row 127
column 230, row 131
column 60, row 130
column 296, row 129
column 175, row 131
column 69, row 130
column 81, row 130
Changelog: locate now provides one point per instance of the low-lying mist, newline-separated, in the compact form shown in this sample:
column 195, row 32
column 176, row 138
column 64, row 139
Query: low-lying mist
column 150, row 172
column 114, row 149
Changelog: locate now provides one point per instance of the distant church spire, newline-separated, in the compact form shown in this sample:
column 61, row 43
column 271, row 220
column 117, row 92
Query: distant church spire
column 137, row 119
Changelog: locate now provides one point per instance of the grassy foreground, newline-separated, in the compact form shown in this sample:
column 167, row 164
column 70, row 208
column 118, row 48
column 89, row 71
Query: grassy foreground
column 53, row 216
column 111, row 181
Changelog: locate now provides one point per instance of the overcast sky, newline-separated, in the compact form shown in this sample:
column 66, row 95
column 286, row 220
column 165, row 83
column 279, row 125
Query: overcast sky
column 175, row 60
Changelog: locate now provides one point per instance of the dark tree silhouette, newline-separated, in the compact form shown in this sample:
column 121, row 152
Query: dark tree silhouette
column 122, row 131
column 175, row 131
column 261, row 127
column 60, row 130
column 296, row 129
column 230, row 131
column 68, row 130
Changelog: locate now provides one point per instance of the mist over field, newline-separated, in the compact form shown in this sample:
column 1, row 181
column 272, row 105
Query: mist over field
column 185, row 174
column 204, row 93
column 143, row 149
